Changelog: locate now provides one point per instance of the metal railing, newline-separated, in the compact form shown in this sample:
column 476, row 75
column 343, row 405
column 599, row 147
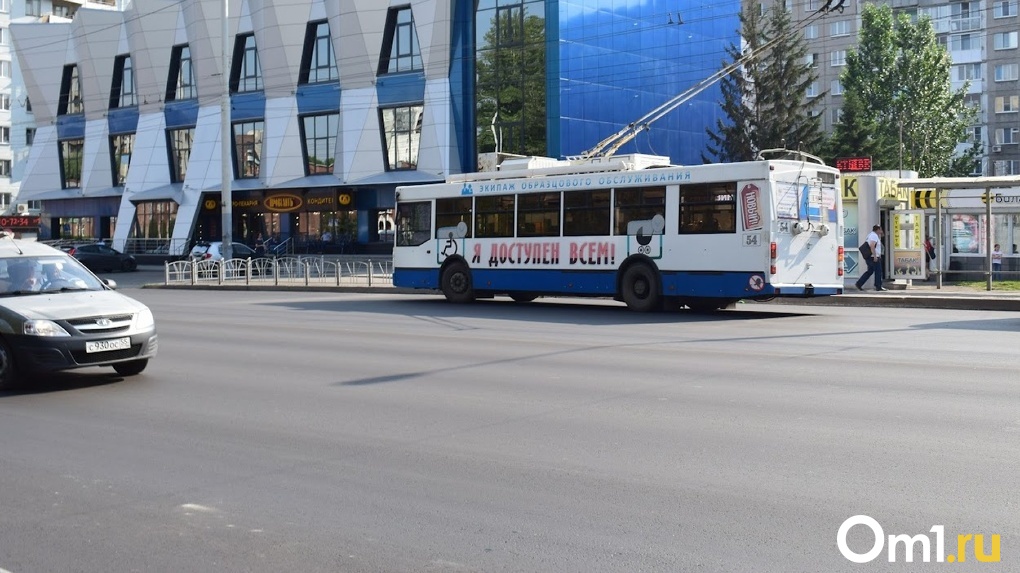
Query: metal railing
column 281, row 271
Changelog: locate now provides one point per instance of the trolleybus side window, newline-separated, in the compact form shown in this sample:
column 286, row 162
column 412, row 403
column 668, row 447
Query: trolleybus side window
column 708, row 208
column 494, row 216
column 639, row 204
column 452, row 212
column 586, row 213
column 414, row 223
column 538, row 215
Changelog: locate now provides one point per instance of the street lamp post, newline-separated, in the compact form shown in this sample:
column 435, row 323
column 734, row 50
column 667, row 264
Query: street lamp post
column 226, row 204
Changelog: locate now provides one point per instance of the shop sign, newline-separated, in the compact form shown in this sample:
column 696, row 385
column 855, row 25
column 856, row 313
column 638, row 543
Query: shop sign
column 345, row 199
column 20, row 222
column 282, row 203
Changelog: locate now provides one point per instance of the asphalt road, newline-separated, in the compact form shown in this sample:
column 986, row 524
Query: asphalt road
column 357, row 432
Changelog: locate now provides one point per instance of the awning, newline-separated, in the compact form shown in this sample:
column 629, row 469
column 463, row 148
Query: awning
column 104, row 192
column 239, row 185
column 50, row 194
column 310, row 181
column 173, row 191
column 407, row 177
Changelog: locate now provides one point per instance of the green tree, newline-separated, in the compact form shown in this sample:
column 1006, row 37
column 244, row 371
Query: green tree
column 763, row 100
column 897, row 91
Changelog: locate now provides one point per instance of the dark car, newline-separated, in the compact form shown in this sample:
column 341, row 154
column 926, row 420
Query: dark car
column 100, row 258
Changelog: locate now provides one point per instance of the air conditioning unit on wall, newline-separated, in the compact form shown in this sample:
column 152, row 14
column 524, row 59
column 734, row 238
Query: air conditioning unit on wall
column 22, row 208
column 996, row 148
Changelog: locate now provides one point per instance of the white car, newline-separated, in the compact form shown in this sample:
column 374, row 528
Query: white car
column 214, row 251
column 56, row 315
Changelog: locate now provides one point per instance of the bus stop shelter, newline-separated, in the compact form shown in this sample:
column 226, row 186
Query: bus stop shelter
column 945, row 186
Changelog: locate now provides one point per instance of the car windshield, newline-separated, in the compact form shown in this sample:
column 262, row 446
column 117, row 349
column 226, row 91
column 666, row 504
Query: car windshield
column 25, row 274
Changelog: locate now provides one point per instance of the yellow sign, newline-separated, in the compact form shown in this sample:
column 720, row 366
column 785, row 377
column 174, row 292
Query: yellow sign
column 849, row 189
column 209, row 204
column 890, row 189
column 925, row 199
column 345, row 199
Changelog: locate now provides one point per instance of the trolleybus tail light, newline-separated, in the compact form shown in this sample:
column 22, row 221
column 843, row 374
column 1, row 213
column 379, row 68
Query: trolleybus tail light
column 772, row 257
column 839, row 258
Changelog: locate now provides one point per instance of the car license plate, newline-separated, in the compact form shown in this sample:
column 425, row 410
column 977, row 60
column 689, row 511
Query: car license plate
column 107, row 345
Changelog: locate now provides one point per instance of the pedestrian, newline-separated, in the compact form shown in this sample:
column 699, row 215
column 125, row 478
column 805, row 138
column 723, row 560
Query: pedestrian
column 260, row 246
column 997, row 263
column 871, row 251
column 929, row 254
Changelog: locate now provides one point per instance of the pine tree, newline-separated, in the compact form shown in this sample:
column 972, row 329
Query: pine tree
column 762, row 101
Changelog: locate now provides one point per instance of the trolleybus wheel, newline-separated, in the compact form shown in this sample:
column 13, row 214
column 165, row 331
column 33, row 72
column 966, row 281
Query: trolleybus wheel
column 456, row 284
column 641, row 288
column 523, row 296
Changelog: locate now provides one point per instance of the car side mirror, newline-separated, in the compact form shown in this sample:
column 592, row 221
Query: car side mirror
column 110, row 283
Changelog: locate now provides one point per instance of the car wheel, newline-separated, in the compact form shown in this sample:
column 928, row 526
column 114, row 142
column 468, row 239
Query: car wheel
column 129, row 266
column 640, row 288
column 131, row 368
column 456, row 283
column 8, row 369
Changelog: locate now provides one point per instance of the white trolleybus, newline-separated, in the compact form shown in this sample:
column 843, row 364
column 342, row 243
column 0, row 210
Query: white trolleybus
column 630, row 228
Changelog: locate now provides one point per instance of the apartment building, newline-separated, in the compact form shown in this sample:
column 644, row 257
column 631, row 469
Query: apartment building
column 981, row 37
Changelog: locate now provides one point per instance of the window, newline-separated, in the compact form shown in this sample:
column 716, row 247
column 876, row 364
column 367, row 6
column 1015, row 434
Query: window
column 1005, row 136
column 1006, row 72
column 708, row 208
column 1007, row 167
column 5, row 135
column 318, row 63
column 812, row 6
column 1004, row 8
column 401, row 136
column 586, row 213
column 1007, row 104
column 179, row 143
column 1005, row 40
column 811, row 60
column 840, row 28
column 836, row 115
column 5, row 68
column 70, row 162
column 963, row 42
column 837, row 58
column 494, row 216
column 5, row 36
column 121, row 147
column 247, row 73
column 5, row 102
column 122, row 93
column 28, row 105
column 154, row 220
column 33, row 7
column 450, row 213
column 400, row 49
column 965, row 72
column 414, row 224
column 538, row 215
column 5, row 167
column 975, row 134
column 29, row 136
column 639, row 206
column 5, row 6
column 320, row 132
column 811, row 32
column 836, row 88
column 248, row 149
column 812, row 89
column 181, row 81
column 70, row 93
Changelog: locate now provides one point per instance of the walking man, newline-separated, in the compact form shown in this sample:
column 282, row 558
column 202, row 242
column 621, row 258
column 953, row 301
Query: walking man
column 873, row 258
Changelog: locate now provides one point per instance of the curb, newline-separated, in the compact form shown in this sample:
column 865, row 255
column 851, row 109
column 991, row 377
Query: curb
column 954, row 302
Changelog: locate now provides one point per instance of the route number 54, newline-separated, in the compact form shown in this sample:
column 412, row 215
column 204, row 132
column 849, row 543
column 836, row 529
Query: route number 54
column 752, row 240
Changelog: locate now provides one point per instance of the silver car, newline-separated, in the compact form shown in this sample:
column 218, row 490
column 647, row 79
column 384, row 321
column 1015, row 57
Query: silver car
column 56, row 315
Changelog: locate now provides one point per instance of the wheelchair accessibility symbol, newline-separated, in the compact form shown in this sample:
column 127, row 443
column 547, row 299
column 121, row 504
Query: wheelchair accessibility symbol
column 756, row 282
